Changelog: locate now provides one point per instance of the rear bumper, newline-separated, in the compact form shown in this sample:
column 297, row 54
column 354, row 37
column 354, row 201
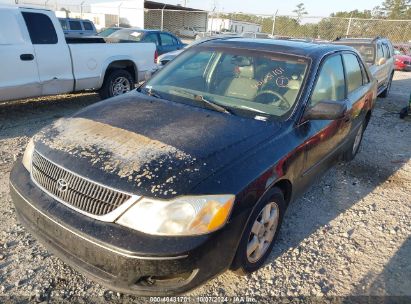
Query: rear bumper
column 117, row 257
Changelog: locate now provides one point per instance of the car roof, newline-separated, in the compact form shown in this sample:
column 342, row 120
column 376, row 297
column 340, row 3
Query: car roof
column 298, row 48
column 360, row 40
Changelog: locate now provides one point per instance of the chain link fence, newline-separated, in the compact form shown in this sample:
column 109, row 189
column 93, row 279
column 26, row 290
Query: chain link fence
column 328, row 28
column 132, row 13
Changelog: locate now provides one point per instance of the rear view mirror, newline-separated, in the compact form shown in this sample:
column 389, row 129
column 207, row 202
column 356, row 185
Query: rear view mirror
column 325, row 110
column 382, row 61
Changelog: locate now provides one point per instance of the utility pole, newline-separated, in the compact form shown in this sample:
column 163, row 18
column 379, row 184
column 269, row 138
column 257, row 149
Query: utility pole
column 274, row 17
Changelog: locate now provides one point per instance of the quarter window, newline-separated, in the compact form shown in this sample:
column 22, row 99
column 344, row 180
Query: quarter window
column 353, row 72
column 40, row 27
column 330, row 84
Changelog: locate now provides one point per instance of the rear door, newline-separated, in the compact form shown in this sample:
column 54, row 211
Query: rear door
column 380, row 71
column 51, row 52
column 17, row 58
column 359, row 93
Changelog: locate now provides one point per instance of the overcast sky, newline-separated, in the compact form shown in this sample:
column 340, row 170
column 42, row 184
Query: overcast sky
column 314, row 7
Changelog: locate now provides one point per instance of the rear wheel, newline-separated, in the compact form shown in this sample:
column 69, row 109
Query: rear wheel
column 260, row 234
column 354, row 147
column 116, row 82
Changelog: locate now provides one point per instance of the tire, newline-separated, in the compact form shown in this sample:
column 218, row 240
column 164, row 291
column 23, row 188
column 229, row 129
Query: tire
column 385, row 93
column 355, row 144
column 116, row 82
column 244, row 262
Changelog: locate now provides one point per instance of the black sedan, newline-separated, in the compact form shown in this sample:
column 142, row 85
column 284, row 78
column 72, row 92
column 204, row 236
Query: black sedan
column 165, row 41
column 158, row 190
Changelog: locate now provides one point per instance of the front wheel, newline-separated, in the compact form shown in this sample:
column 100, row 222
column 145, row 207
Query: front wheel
column 260, row 234
column 116, row 82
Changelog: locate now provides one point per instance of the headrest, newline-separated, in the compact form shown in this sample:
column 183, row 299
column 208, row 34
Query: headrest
column 294, row 84
column 246, row 72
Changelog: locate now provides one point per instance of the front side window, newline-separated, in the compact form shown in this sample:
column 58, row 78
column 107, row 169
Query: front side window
column 151, row 38
column 259, row 83
column 40, row 27
column 166, row 39
column 330, row 85
column 75, row 25
column 353, row 72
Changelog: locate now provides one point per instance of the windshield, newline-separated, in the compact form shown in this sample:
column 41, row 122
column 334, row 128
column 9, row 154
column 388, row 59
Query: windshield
column 108, row 32
column 131, row 35
column 367, row 51
column 262, row 83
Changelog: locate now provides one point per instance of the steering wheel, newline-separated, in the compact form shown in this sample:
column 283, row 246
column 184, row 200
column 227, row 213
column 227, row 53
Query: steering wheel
column 281, row 99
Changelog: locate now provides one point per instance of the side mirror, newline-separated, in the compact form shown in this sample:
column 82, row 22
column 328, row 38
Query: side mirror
column 325, row 110
column 382, row 61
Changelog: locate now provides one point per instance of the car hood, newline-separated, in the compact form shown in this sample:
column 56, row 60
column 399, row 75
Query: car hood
column 403, row 57
column 149, row 146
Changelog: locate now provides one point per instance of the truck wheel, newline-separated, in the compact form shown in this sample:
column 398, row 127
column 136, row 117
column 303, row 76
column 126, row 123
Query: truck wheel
column 115, row 83
column 354, row 147
column 385, row 93
column 260, row 234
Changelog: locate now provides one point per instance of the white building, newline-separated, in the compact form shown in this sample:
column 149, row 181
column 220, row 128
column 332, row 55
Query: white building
column 222, row 24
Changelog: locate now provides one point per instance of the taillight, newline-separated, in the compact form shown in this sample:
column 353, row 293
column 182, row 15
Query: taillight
column 155, row 56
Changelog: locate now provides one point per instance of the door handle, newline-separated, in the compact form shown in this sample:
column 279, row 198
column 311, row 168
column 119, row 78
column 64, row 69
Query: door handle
column 26, row 57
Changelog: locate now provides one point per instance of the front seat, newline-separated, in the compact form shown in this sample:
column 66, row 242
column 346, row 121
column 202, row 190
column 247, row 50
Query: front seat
column 244, row 86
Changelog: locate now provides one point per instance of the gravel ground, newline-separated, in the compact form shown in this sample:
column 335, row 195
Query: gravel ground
column 350, row 235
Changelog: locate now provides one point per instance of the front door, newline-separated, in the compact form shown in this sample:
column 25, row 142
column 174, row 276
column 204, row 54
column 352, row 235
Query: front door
column 325, row 136
column 19, row 75
column 51, row 52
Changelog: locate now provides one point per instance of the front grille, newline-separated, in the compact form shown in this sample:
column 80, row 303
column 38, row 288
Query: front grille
column 74, row 190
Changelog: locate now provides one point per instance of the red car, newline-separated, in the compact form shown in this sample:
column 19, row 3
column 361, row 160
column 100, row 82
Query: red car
column 402, row 62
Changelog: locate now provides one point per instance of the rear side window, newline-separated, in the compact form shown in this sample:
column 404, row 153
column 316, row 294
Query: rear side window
column 75, row 25
column 330, row 84
column 166, row 39
column 353, row 72
column 40, row 28
column 387, row 51
column 380, row 53
column 88, row 26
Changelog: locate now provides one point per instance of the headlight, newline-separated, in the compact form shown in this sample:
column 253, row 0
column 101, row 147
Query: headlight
column 190, row 215
column 28, row 155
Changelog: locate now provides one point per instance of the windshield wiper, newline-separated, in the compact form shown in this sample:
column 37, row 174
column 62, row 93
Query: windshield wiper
column 210, row 104
column 150, row 92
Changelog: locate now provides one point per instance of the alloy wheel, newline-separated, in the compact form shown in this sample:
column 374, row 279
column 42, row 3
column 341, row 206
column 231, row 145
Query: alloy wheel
column 120, row 86
column 262, row 232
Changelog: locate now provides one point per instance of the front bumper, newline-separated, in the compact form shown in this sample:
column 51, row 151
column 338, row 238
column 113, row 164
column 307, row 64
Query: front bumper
column 119, row 258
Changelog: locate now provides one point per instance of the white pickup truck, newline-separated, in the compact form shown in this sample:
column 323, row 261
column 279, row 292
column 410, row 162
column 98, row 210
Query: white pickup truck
column 37, row 60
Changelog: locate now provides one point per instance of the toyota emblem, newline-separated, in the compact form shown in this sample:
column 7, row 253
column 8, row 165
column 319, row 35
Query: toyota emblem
column 62, row 185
